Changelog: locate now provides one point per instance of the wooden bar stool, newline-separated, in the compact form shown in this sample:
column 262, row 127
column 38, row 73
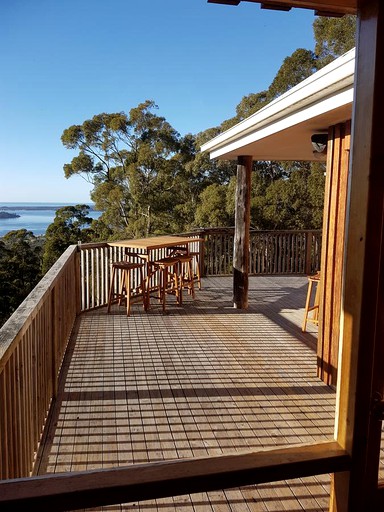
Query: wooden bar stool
column 186, row 277
column 312, row 280
column 195, row 267
column 131, row 288
column 169, row 270
column 196, row 273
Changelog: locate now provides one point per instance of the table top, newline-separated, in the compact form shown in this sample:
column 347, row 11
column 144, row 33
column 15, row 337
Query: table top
column 155, row 242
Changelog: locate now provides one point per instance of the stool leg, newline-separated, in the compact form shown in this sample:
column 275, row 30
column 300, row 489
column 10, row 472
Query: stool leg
column 143, row 290
column 191, row 286
column 128, row 290
column 198, row 276
column 122, row 289
column 111, row 287
column 316, row 305
column 164, row 285
column 309, row 293
column 178, row 282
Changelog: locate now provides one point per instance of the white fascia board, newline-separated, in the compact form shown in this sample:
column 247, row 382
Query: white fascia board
column 326, row 82
column 299, row 116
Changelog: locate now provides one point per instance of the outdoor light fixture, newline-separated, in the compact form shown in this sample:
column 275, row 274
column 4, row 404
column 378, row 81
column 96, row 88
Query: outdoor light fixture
column 319, row 144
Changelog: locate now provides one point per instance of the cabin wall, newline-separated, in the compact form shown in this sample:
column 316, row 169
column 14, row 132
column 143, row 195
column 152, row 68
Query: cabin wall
column 334, row 221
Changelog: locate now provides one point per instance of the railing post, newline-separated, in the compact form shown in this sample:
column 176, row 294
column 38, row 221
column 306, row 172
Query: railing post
column 202, row 254
column 308, row 252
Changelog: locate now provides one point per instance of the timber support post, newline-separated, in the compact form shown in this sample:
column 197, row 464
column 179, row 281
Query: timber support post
column 241, row 238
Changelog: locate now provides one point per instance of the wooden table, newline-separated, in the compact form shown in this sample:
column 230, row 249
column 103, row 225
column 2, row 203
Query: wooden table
column 155, row 242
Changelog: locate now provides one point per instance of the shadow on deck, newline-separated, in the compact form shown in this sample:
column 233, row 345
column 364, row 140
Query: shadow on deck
column 205, row 379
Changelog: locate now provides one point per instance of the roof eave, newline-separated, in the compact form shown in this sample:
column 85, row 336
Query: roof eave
column 314, row 93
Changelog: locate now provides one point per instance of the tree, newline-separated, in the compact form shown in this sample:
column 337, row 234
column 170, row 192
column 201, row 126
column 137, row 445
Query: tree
column 20, row 269
column 333, row 37
column 6, row 288
column 133, row 162
column 296, row 202
column 296, row 68
column 211, row 211
column 251, row 104
column 70, row 226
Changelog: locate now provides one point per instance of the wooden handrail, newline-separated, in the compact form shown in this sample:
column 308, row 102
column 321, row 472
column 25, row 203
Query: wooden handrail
column 32, row 346
column 71, row 491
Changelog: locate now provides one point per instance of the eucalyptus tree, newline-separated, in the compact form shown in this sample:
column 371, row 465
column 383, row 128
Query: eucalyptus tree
column 133, row 162
column 333, row 37
column 211, row 211
column 294, row 69
column 70, row 226
column 20, row 269
column 6, row 288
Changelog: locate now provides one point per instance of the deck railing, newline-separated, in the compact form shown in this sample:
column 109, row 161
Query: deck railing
column 34, row 339
column 271, row 252
column 32, row 345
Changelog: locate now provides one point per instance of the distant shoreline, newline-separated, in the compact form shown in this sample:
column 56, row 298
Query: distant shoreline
column 36, row 216
column 41, row 207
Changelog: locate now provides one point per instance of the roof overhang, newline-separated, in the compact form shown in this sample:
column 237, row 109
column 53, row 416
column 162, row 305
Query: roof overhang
column 321, row 7
column 282, row 130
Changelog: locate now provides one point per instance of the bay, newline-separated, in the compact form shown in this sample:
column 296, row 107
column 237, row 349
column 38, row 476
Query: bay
column 34, row 217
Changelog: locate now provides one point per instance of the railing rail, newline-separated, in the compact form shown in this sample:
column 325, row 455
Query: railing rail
column 32, row 345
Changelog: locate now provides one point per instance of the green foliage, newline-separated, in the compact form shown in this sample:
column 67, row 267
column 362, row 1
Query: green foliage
column 6, row 288
column 211, row 211
column 297, row 202
column 283, row 197
column 149, row 180
column 134, row 162
column 98, row 141
column 20, row 263
column 251, row 104
column 333, row 37
column 296, row 68
column 69, row 227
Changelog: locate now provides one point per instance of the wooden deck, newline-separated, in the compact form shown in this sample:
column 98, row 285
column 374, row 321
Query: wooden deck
column 205, row 379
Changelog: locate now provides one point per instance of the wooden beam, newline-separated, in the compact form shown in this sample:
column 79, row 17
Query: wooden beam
column 358, row 431
column 241, row 238
column 71, row 491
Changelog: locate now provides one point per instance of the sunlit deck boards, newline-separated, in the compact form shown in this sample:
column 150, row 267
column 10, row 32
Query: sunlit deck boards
column 205, row 379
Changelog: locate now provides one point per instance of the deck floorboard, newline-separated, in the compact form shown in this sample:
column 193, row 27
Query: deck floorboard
column 204, row 379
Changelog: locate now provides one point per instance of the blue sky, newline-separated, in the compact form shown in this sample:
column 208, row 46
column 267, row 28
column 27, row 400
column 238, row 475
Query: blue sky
column 63, row 61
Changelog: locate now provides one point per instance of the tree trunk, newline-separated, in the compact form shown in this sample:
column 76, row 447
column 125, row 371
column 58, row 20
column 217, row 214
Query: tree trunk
column 241, row 239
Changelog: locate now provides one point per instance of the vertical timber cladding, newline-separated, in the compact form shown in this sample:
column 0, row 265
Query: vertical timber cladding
column 241, row 237
column 333, row 250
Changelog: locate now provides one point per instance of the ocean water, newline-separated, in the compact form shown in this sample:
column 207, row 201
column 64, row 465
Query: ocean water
column 34, row 217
